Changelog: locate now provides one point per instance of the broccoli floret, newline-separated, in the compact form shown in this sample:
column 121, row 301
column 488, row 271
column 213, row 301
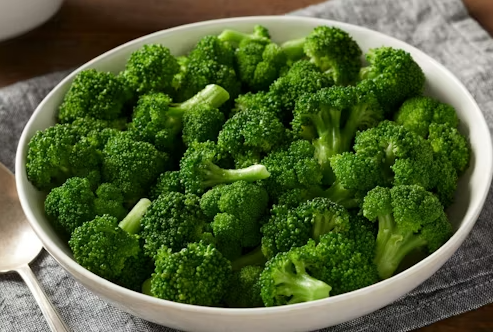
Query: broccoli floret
column 302, row 78
column 199, row 169
column 248, row 136
column 227, row 230
column 408, row 218
column 263, row 101
column 292, row 198
column 259, row 61
column 202, row 123
column 70, row 205
column 331, row 117
column 245, row 203
column 287, row 279
column 417, row 113
column 333, row 50
column 110, row 200
column 131, row 165
column 103, row 246
column 294, row 227
column 173, row 220
column 94, row 94
column 150, row 69
column 393, row 75
column 449, row 143
column 244, row 288
column 444, row 179
column 213, row 48
column 344, row 265
column 159, row 121
column 166, row 182
column 197, row 274
column 293, row 167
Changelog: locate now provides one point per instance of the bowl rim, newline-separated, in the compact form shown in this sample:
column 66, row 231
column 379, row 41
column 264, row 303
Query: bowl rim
column 66, row 261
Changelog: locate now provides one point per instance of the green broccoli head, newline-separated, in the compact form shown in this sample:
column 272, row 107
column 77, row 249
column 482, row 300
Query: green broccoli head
column 150, row 69
column 451, row 144
column 331, row 49
column 199, row 169
column 418, row 113
column 212, row 48
column 244, row 288
column 173, row 220
column 102, row 247
column 132, row 166
column 166, row 182
column 263, row 101
column 249, row 136
column 287, row 278
column 227, row 230
column 409, row 218
column 110, row 200
column 94, row 94
column 70, row 205
column 197, row 274
column 202, row 123
column 288, row 228
column 393, row 75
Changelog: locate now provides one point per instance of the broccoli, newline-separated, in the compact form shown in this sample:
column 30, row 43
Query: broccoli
column 287, row 279
column 293, row 167
column 236, row 209
column 259, row 61
column 158, row 121
column 197, row 274
column 166, row 182
column 199, row 169
column 74, row 203
column 173, row 220
column 331, row 117
column 244, row 288
column 248, row 136
column 150, row 69
column 409, row 218
column 263, row 101
column 202, row 123
column 94, row 94
column 393, row 75
column 333, row 50
column 103, row 246
column 294, row 227
column 213, row 48
column 302, row 78
column 418, row 113
column 448, row 142
column 131, row 165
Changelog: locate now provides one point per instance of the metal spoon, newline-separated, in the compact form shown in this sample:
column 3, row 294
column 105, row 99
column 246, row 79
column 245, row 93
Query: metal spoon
column 19, row 245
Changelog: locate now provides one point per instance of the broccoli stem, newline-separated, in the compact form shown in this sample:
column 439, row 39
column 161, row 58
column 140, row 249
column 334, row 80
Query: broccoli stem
column 392, row 246
column 131, row 223
column 217, row 175
column 294, row 49
column 254, row 257
column 322, row 225
column 340, row 195
column 212, row 94
column 300, row 286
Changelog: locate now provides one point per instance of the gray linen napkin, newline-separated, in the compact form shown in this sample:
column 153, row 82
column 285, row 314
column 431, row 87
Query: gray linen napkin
column 441, row 28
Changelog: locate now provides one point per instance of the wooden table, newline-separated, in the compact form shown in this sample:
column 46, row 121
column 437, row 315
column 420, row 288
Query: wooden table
column 84, row 29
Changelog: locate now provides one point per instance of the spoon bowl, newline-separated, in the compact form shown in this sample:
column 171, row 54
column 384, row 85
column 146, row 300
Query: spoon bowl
column 19, row 245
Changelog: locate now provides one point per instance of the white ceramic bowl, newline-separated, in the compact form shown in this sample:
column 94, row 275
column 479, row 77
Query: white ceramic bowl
column 19, row 16
column 472, row 191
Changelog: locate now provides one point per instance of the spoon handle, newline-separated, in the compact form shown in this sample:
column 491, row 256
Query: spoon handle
column 52, row 317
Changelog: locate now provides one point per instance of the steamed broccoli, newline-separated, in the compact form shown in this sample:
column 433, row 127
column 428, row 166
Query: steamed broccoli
column 263, row 101
column 94, row 94
column 199, row 169
column 197, row 274
column 408, row 218
column 333, row 50
column 293, row 227
column 244, row 288
column 202, row 123
column 331, row 117
column 173, row 220
column 418, row 113
column 449, row 143
column 248, row 136
column 166, row 182
column 393, row 75
column 104, row 246
column 150, row 69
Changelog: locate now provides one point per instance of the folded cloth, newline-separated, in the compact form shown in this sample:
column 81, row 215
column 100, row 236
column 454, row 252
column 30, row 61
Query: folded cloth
column 441, row 28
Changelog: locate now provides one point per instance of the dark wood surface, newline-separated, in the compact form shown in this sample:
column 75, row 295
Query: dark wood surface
column 83, row 29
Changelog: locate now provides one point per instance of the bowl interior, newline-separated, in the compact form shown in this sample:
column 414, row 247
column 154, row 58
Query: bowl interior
column 473, row 185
